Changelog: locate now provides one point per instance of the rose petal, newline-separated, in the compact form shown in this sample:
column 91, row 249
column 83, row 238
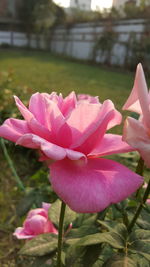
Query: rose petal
column 91, row 117
column 20, row 234
column 35, row 225
column 13, row 129
column 93, row 186
column 136, row 136
column 51, row 150
column 138, row 100
column 110, row 144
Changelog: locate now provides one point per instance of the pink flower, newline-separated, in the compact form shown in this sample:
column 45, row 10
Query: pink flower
column 36, row 223
column 71, row 132
column 137, row 132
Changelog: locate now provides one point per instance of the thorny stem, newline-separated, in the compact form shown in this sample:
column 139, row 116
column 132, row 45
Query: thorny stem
column 61, row 220
column 11, row 165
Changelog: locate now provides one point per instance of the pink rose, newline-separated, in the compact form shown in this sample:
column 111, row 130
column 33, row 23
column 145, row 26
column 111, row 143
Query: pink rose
column 137, row 132
column 36, row 223
column 71, row 132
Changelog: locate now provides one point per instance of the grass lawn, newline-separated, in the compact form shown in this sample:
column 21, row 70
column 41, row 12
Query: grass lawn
column 45, row 72
column 41, row 71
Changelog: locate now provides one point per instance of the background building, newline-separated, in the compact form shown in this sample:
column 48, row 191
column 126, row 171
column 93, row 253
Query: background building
column 118, row 3
column 81, row 4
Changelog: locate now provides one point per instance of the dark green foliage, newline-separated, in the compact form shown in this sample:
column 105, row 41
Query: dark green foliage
column 40, row 245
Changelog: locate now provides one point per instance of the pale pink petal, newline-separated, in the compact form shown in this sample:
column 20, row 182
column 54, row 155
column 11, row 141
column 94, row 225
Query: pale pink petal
column 24, row 111
column 20, row 234
column 91, row 117
column 13, row 129
column 110, row 144
column 82, row 119
column 94, row 139
column 37, row 107
column 38, row 129
column 116, row 120
column 75, row 155
column 68, row 104
column 138, row 100
column 35, row 126
column 143, row 94
column 136, row 136
column 51, row 150
column 93, row 186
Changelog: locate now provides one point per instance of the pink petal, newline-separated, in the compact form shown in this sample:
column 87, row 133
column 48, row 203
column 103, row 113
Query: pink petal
column 136, row 136
column 13, row 129
column 138, row 100
column 37, row 107
column 92, row 117
column 35, row 126
column 75, row 155
column 51, row 150
column 38, row 211
column 93, row 186
column 35, row 225
column 100, row 129
column 68, row 104
column 24, row 111
column 20, row 234
column 110, row 144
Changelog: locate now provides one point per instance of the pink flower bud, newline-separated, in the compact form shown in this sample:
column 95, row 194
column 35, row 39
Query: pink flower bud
column 37, row 222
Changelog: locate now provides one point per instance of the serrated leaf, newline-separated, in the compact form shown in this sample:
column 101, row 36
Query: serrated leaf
column 54, row 213
column 40, row 245
column 120, row 260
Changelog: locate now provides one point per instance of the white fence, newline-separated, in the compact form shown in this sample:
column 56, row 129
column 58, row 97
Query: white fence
column 79, row 40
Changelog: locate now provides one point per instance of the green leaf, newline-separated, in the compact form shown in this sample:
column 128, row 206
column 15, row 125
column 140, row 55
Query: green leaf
column 109, row 225
column 110, row 238
column 120, row 260
column 139, row 243
column 144, row 220
column 43, row 261
column 54, row 213
column 91, row 255
column 40, row 245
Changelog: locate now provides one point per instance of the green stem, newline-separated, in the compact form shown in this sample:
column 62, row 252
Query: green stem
column 10, row 163
column 61, row 220
column 139, row 170
column 132, row 223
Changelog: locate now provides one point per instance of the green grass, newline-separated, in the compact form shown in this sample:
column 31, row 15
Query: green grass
column 44, row 72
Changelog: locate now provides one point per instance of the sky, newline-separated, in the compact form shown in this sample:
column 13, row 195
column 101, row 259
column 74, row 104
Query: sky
column 95, row 3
